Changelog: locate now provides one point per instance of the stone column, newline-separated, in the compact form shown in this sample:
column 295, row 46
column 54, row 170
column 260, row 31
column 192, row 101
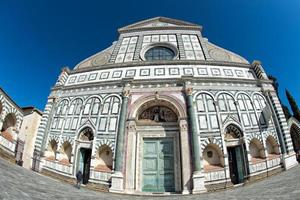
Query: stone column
column 198, row 176
column 117, row 178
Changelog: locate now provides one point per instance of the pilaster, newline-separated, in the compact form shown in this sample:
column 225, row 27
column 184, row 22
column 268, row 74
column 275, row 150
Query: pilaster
column 198, row 176
column 117, row 178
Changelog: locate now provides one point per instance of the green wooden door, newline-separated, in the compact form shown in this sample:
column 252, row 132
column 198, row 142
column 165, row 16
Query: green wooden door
column 240, row 164
column 158, row 165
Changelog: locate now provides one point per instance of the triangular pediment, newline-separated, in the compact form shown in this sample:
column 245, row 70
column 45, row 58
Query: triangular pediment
column 159, row 22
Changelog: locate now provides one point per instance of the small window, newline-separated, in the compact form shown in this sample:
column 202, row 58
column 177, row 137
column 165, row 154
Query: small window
column 159, row 53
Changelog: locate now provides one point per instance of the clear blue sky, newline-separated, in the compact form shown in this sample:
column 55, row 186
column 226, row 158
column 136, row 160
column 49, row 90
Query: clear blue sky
column 38, row 37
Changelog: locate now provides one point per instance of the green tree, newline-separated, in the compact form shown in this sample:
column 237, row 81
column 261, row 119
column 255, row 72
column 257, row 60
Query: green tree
column 293, row 104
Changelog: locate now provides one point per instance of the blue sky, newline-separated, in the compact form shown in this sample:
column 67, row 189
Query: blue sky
column 38, row 38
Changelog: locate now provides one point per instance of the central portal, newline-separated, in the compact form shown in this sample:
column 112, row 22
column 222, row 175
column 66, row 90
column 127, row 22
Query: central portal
column 158, row 165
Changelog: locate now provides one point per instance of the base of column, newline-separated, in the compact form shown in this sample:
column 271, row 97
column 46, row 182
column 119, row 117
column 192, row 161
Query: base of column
column 289, row 160
column 185, row 192
column 117, row 181
column 198, row 183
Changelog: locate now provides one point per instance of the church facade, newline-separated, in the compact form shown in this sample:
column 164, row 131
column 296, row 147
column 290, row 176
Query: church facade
column 164, row 110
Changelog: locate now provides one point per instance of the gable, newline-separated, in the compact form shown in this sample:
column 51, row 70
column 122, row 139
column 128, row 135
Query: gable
column 158, row 22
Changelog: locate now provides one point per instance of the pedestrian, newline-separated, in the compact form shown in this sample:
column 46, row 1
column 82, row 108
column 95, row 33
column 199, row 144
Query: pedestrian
column 78, row 178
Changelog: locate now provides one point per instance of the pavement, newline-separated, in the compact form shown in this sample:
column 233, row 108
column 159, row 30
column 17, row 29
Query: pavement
column 17, row 183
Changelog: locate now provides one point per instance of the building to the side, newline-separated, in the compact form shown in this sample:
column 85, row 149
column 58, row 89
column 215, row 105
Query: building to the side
column 28, row 133
column 19, row 128
column 11, row 116
column 165, row 110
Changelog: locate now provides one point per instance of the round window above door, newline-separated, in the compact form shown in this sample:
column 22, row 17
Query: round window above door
column 159, row 52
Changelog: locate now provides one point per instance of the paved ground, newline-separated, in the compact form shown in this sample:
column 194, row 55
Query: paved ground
column 21, row 184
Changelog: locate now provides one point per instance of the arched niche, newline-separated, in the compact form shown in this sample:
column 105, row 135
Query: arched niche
column 10, row 121
column 295, row 135
column 51, row 150
column 272, row 146
column 104, row 159
column 256, row 149
column 66, row 150
column 213, row 157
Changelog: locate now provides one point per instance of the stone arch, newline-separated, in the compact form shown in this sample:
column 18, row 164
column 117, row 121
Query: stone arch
column 254, row 136
column 107, row 143
column 75, row 107
column 233, row 130
column 272, row 145
column 256, row 149
column 213, row 157
column 227, row 93
column 204, row 92
column 171, row 102
column 112, row 95
column 214, row 141
column 243, row 93
column 86, row 133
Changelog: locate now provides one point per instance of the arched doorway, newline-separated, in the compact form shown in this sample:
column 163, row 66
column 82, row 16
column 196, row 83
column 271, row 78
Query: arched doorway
column 153, row 148
column 295, row 134
column 237, row 158
column 84, row 152
column 158, row 157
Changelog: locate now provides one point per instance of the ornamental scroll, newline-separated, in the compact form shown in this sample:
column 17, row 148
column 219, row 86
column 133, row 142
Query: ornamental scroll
column 158, row 114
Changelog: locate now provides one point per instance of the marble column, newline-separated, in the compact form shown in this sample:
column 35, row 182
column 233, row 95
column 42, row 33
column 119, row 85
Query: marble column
column 198, row 176
column 117, row 178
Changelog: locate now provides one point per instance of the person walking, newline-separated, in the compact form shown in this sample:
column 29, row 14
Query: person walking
column 78, row 178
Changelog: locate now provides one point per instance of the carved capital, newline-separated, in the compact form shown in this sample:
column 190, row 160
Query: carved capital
column 126, row 93
column 131, row 127
column 189, row 91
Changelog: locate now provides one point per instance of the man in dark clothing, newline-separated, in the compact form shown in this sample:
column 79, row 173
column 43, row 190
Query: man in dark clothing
column 78, row 178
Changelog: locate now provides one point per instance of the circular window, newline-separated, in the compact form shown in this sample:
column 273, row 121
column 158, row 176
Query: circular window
column 159, row 51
